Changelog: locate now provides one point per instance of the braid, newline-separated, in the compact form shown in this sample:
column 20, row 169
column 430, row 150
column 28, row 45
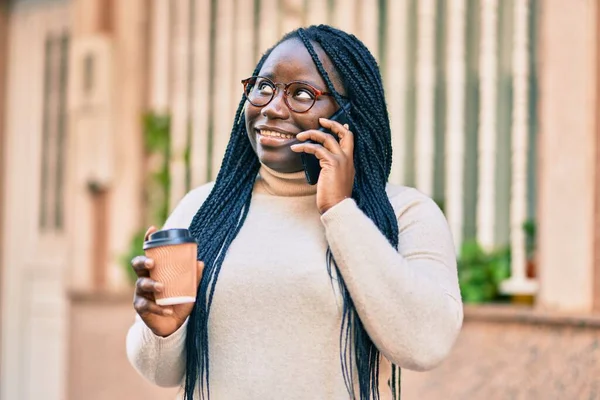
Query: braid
column 214, row 226
column 218, row 221
column 373, row 154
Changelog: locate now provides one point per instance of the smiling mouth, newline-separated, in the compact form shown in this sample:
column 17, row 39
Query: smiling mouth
column 275, row 134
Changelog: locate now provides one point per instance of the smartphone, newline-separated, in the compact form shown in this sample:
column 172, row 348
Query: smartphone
column 312, row 168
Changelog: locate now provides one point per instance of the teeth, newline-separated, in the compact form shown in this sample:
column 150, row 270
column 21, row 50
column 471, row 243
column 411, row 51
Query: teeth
column 276, row 134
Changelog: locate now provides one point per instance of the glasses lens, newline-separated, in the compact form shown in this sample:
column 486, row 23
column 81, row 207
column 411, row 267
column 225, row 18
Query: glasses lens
column 301, row 97
column 259, row 91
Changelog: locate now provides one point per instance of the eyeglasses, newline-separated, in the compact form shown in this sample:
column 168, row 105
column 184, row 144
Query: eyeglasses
column 298, row 96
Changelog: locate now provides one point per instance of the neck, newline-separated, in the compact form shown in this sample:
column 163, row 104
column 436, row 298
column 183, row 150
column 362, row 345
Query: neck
column 283, row 184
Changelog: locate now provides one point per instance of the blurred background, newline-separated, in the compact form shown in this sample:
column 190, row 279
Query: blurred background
column 111, row 110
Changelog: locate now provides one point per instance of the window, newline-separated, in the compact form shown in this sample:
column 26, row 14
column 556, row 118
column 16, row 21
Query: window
column 54, row 130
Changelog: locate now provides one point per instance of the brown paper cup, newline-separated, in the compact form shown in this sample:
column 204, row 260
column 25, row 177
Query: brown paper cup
column 175, row 267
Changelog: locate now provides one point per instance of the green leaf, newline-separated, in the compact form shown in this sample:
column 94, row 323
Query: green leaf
column 156, row 135
column 135, row 249
column 480, row 272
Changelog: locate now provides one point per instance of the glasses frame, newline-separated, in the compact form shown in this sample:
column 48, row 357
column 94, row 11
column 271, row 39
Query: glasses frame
column 285, row 86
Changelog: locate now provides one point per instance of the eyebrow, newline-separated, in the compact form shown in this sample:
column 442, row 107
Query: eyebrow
column 271, row 76
column 267, row 75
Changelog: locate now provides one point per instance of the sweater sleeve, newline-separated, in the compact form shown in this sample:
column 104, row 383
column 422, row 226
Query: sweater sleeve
column 408, row 300
column 162, row 360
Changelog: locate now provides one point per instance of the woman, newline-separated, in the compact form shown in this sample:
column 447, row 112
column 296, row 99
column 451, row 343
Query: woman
column 309, row 292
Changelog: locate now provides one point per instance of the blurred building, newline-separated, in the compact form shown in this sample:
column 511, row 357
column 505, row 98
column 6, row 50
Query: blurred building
column 495, row 114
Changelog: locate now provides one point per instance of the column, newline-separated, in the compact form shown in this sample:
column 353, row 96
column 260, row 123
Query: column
column 268, row 25
column 567, row 155
column 200, row 114
column 223, row 110
column 160, row 60
column 395, row 83
column 518, row 282
column 316, row 12
column 292, row 15
column 455, row 122
column 368, row 25
column 345, row 15
column 425, row 135
column 486, row 201
column 180, row 96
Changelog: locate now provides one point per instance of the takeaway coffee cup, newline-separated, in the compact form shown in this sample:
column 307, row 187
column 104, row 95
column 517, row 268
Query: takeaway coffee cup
column 174, row 255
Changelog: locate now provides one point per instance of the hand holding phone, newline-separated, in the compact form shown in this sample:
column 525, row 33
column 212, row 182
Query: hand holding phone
column 312, row 168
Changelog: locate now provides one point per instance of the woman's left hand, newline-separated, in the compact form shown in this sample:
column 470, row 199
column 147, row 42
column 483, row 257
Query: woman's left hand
column 336, row 160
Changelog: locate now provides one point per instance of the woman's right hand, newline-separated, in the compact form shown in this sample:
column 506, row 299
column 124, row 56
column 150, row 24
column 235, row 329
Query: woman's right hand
column 162, row 320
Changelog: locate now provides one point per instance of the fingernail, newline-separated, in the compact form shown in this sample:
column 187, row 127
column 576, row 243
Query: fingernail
column 346, row 126
column 159, row 287
column 149, row 263
column 168, row 311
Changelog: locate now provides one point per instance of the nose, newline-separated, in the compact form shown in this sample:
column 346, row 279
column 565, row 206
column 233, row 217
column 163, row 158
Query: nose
column 276, row 109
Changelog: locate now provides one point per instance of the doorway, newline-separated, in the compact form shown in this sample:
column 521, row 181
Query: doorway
column 34, row 238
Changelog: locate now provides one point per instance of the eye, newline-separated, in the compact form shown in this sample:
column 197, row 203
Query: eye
column 264, row 88
column 303, row 94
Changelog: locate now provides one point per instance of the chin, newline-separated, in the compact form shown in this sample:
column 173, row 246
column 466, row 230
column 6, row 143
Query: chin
column 282, row 165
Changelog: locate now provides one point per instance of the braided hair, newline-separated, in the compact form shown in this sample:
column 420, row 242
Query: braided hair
column 222, row 215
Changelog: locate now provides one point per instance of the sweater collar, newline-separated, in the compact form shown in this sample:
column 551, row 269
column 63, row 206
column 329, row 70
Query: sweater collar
column 280, row 184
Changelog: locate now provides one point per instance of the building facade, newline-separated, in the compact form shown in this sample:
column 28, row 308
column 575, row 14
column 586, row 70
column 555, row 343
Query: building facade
column 494, row 109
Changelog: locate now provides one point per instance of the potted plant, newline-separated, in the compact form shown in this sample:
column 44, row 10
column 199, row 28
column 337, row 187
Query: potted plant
column 529, row 228
column 480, row 272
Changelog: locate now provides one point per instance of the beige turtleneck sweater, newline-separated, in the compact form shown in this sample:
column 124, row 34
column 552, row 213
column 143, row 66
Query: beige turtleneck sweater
column 275, row 320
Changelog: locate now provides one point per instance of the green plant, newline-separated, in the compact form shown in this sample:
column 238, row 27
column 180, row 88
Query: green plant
column 480, row 272
column 157, row 129
column 157, row 145
column 135, row 248
column 530, row 230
